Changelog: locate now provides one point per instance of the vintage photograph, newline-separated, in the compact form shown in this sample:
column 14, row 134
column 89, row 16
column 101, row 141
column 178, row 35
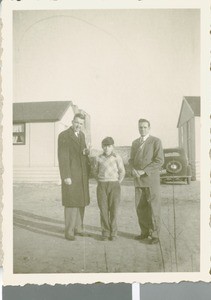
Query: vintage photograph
column 106, row 141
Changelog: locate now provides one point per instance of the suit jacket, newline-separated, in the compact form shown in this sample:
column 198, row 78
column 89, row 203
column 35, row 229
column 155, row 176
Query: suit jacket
column 149, row 158
column 73, row 164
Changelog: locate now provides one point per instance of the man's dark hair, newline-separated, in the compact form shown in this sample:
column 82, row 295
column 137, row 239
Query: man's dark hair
column 144, row 120
column 79, row 115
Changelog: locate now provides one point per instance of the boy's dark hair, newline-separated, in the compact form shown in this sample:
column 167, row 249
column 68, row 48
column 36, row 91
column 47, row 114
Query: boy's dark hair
column 107, row 141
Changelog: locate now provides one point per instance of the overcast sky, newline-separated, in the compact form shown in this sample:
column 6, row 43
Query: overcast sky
column 117, row 65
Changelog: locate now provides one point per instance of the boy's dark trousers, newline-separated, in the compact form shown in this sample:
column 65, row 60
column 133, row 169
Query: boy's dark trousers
column 108, row 197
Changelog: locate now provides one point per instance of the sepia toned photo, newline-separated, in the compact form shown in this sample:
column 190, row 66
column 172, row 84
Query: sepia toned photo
column 107, row 115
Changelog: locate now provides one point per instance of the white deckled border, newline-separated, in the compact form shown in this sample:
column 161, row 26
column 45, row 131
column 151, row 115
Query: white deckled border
column 1, row 162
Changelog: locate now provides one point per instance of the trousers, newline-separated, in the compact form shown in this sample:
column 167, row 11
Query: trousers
column 148, row 210
column 73, row 220
column 108, row 197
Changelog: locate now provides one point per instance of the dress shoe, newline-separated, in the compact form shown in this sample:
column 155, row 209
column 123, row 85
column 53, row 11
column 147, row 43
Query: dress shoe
column 141, row 236
column 80, row 233
column 153, row 240
column 113, row 238
column 69, row 237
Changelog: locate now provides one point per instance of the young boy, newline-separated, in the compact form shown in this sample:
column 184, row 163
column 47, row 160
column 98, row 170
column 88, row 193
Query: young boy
column 109, row 171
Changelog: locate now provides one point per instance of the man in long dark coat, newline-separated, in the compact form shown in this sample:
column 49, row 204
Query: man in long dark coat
column 74, row 171
column 146, row 160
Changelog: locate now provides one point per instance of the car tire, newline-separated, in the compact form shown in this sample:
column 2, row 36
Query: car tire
column 176, row 163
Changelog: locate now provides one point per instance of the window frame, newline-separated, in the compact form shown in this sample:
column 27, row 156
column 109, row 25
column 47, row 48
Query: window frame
column 22, row 133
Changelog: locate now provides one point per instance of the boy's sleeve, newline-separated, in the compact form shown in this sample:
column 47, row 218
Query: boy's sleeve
column 121, row 168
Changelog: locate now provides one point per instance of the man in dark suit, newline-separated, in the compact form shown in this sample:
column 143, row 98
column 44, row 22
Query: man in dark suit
column 74, row 171
column 146, row 160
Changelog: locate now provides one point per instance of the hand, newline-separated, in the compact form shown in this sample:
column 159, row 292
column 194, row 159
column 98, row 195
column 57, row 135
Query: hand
column 68, row 181
column 141, row 172
column 135, row 173
column 86, row 151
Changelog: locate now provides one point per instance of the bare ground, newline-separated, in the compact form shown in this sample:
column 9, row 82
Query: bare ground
column 40, row 247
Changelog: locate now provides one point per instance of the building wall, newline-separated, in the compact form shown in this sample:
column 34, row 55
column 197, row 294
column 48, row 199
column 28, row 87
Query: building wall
column 42, row 150
column 21, row 155
column 183, row 137
column 191, row 145
column 187, row 140
column 37, row 160
column 39, row 148
column 186, row 113
column 197, row 147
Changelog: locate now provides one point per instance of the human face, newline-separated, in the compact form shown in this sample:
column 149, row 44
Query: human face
column 143, row 128
column 108, row 149
column 77, row 124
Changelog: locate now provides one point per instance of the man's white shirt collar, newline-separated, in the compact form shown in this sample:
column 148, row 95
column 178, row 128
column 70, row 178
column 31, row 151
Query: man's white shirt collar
column 144, row 137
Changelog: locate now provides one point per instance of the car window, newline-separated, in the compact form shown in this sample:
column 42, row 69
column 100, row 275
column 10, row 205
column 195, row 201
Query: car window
column 169, row 154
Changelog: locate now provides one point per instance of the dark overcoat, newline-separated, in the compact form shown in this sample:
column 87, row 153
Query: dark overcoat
column 75, row 165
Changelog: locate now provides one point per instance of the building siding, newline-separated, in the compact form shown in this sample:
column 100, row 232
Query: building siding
column 37, row 160
column 41, row 144
column 197, row 147
column 186, row 114
column 21, row 155
column 189, row 140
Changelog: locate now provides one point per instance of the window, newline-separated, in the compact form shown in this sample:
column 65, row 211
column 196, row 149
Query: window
column 19, row 134
column 170, row 154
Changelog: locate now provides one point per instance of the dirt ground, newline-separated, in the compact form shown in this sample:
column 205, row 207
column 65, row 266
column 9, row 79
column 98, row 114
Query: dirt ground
column 40, row 247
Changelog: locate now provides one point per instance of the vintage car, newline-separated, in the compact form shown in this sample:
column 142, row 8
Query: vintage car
column 176, row 166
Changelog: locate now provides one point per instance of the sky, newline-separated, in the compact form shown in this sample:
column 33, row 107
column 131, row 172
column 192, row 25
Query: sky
column 117, row 65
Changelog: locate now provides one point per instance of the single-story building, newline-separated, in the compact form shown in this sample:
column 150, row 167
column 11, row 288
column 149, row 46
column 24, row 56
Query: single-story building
column 189, row 132
column 36, row 126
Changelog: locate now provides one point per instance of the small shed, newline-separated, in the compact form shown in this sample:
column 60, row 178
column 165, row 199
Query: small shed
column 189, row 132
column 36, row 126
